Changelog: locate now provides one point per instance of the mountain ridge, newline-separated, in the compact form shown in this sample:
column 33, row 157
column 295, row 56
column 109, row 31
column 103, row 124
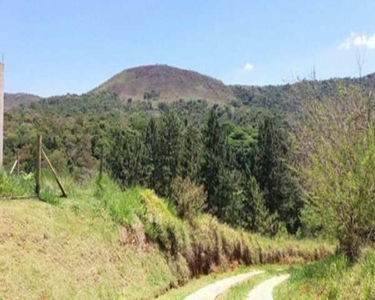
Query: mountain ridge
column 170, row 84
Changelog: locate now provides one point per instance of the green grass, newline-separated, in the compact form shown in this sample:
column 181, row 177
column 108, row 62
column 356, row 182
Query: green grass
column 12, row 186
column 65, row 252
column 332, row 278
column 104, row 243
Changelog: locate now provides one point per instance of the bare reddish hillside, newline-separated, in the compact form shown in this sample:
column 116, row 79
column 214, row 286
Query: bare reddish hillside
column 166, row 83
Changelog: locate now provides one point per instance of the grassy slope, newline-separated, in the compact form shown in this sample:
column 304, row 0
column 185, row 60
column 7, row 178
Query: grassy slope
column 111, row 244
column 331, row 278
column 66, row 253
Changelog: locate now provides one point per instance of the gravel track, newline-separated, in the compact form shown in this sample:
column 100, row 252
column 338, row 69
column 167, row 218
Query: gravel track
column 264, row 290
column 212, row 291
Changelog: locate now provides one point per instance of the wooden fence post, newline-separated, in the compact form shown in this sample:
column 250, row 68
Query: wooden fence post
column 13, row 167
column 18, row 162
column 55, row 174
column 38, row 164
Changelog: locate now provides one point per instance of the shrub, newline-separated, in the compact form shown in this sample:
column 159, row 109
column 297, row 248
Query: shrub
column 15, row 186
column 189, row 198
column 162, row 225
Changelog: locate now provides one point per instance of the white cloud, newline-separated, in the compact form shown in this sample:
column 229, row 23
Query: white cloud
column 248, row 67
column 357, row 40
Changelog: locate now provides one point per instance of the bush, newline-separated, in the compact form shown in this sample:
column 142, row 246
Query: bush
column 15, row 186
column 58, row 160
column 162, row 225
column 122, row 206
column 189, row 198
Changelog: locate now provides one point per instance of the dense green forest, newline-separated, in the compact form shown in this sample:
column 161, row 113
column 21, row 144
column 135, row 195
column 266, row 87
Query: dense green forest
column 239, row 156
column 244, row 161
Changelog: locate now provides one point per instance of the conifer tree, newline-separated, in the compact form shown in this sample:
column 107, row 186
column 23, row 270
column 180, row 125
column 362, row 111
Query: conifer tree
column 170, row 151
column 259, row 218
column 151, row 141
column 217, row 178
column 191, row 155
column 127, row 159
column 273, row 174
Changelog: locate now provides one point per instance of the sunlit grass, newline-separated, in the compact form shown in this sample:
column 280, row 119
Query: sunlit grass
column 332, row 278
column 105, row 243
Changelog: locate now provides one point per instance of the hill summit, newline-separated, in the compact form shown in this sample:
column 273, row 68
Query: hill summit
column 166, row 83
column 13, row 100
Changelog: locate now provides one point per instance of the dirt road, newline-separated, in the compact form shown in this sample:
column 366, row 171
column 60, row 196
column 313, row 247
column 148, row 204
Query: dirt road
column 212, row 291
column 264, row 290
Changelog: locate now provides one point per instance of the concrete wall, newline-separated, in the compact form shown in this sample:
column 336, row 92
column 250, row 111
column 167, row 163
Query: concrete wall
column 1, row 112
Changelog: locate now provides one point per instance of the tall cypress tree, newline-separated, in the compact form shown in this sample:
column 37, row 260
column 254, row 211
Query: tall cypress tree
column 170, row 151
column 151, row 140
column 273, row 174
column 216, row 171
column 247, row 208
column 258, row 216
column 127, row 160
column 191, row 153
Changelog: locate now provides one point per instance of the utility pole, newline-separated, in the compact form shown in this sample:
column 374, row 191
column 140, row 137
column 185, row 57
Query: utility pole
column 1, row 112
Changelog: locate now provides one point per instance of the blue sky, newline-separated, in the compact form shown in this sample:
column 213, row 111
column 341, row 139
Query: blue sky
column 56, row 47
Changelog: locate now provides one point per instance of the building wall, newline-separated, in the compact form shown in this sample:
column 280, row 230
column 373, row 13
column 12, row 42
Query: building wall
column 1, row 112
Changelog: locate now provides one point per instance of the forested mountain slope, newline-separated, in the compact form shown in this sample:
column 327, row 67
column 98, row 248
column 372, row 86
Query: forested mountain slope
column 285, row 97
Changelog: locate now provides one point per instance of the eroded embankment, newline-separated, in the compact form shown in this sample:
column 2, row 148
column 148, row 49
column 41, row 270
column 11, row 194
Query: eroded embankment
column 124, row 245
column 204, row 245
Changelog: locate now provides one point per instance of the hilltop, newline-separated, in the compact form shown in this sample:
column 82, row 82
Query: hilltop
column 166, row 83
column 13, row 100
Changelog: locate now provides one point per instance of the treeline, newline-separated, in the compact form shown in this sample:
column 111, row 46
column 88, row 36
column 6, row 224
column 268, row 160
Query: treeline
column 234, row 160
column 74, row 128
column 245, row 172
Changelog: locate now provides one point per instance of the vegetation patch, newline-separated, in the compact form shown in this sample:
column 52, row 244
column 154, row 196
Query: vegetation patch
column 332, row 278
column 104, row 243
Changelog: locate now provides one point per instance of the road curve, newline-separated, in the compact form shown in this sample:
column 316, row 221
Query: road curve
column 212, row 291
column 264, row 290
